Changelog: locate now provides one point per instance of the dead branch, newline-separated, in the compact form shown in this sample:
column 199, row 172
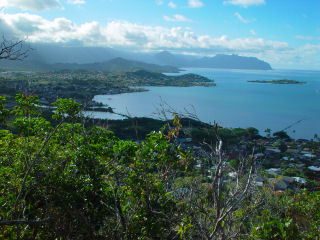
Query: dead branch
column 13, row 50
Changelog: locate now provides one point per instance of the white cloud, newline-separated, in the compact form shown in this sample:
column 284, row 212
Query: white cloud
column 159, row 2
column 245, row 3
column 134, row 36
column 307, row 38
column 242, row 19
column 303, row 57
column 33, row 5
column 131, row 36
column 310, row 49
column 253, row 32
column 177, row 18
column 195, row 3
column 172, row 4
column 76, row 2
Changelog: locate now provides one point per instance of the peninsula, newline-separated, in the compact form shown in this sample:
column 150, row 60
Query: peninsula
column 83, row 85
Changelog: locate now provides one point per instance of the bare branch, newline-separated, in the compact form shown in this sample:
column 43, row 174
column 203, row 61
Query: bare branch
column 13, row 49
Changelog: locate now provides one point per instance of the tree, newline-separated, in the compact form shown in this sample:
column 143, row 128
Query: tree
column 13, row 49
column 72, row 181
column 283, row 147
column 282, row 135
column 217, row 208
column 3, row 111
column 268, row 132
column 29, row 125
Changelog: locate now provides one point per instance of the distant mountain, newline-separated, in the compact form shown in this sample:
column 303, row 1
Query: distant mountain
column 54, row 53
column 232, row 62
column 113, row 65
column 218, row 61
column 56, row 56
column 176, row 60
column 116, row 65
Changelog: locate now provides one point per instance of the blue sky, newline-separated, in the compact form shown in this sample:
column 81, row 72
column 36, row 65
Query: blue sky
column 286, row 33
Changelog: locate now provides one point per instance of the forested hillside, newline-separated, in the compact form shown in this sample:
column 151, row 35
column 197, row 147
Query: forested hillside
column 61, row 179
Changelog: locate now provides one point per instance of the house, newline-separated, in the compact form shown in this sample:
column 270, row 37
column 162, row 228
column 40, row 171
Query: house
column 232, row 174
column 259, row 155
column 272, row 150
column 314, row 168
column 281, row 182
column 258, row 181
column 278, row 184
column 198, row 165
column 300, row 165
column 43, row 101
column 287, row 179
column 258, row 184
column 309, row 155
column 274, row 171
column 300, row 180
column 196, row 148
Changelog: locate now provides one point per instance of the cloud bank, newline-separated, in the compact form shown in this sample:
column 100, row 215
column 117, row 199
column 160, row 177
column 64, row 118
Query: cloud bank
column 172, row 4
column 177, row 18
column 76, row 2
column 245, row 3
column 159, row 2
column 242, row 19
column 137, row 37
column 130, row 35
column 33, row 5
column 195, row 3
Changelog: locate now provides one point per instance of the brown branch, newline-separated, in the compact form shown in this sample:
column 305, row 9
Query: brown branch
column 13, row 50
column 232, row 207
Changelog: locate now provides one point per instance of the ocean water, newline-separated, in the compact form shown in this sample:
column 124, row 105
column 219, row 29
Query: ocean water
column 234, row 102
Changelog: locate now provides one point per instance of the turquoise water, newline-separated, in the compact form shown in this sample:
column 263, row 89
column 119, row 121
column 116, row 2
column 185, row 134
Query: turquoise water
column 236, row 103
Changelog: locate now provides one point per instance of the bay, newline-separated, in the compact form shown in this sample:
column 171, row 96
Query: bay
column 234, row 102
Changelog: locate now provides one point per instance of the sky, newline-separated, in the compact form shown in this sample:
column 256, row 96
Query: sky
column 285, row 33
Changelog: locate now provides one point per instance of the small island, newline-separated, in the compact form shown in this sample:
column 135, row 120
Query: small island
column 282, row 81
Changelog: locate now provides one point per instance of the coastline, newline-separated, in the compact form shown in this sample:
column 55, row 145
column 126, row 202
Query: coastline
column 236, row 103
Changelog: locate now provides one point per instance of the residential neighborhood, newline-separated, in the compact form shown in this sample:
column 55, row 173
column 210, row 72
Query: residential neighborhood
column 293, row 167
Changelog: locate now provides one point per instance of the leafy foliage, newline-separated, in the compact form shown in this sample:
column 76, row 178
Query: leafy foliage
column 3, row 112
column 70, row 182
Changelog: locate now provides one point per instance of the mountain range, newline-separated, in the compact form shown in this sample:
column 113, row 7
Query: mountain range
column 57, row 57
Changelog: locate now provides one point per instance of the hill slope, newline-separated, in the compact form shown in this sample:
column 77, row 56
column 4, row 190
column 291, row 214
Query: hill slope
column 113, row 65
column 51, row 56
column 116, row 65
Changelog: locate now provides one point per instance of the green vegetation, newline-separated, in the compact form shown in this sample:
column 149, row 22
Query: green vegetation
column 65, row 179
column 114, row 65
column 83, row 85
column 287, row 217
column 282, row 81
